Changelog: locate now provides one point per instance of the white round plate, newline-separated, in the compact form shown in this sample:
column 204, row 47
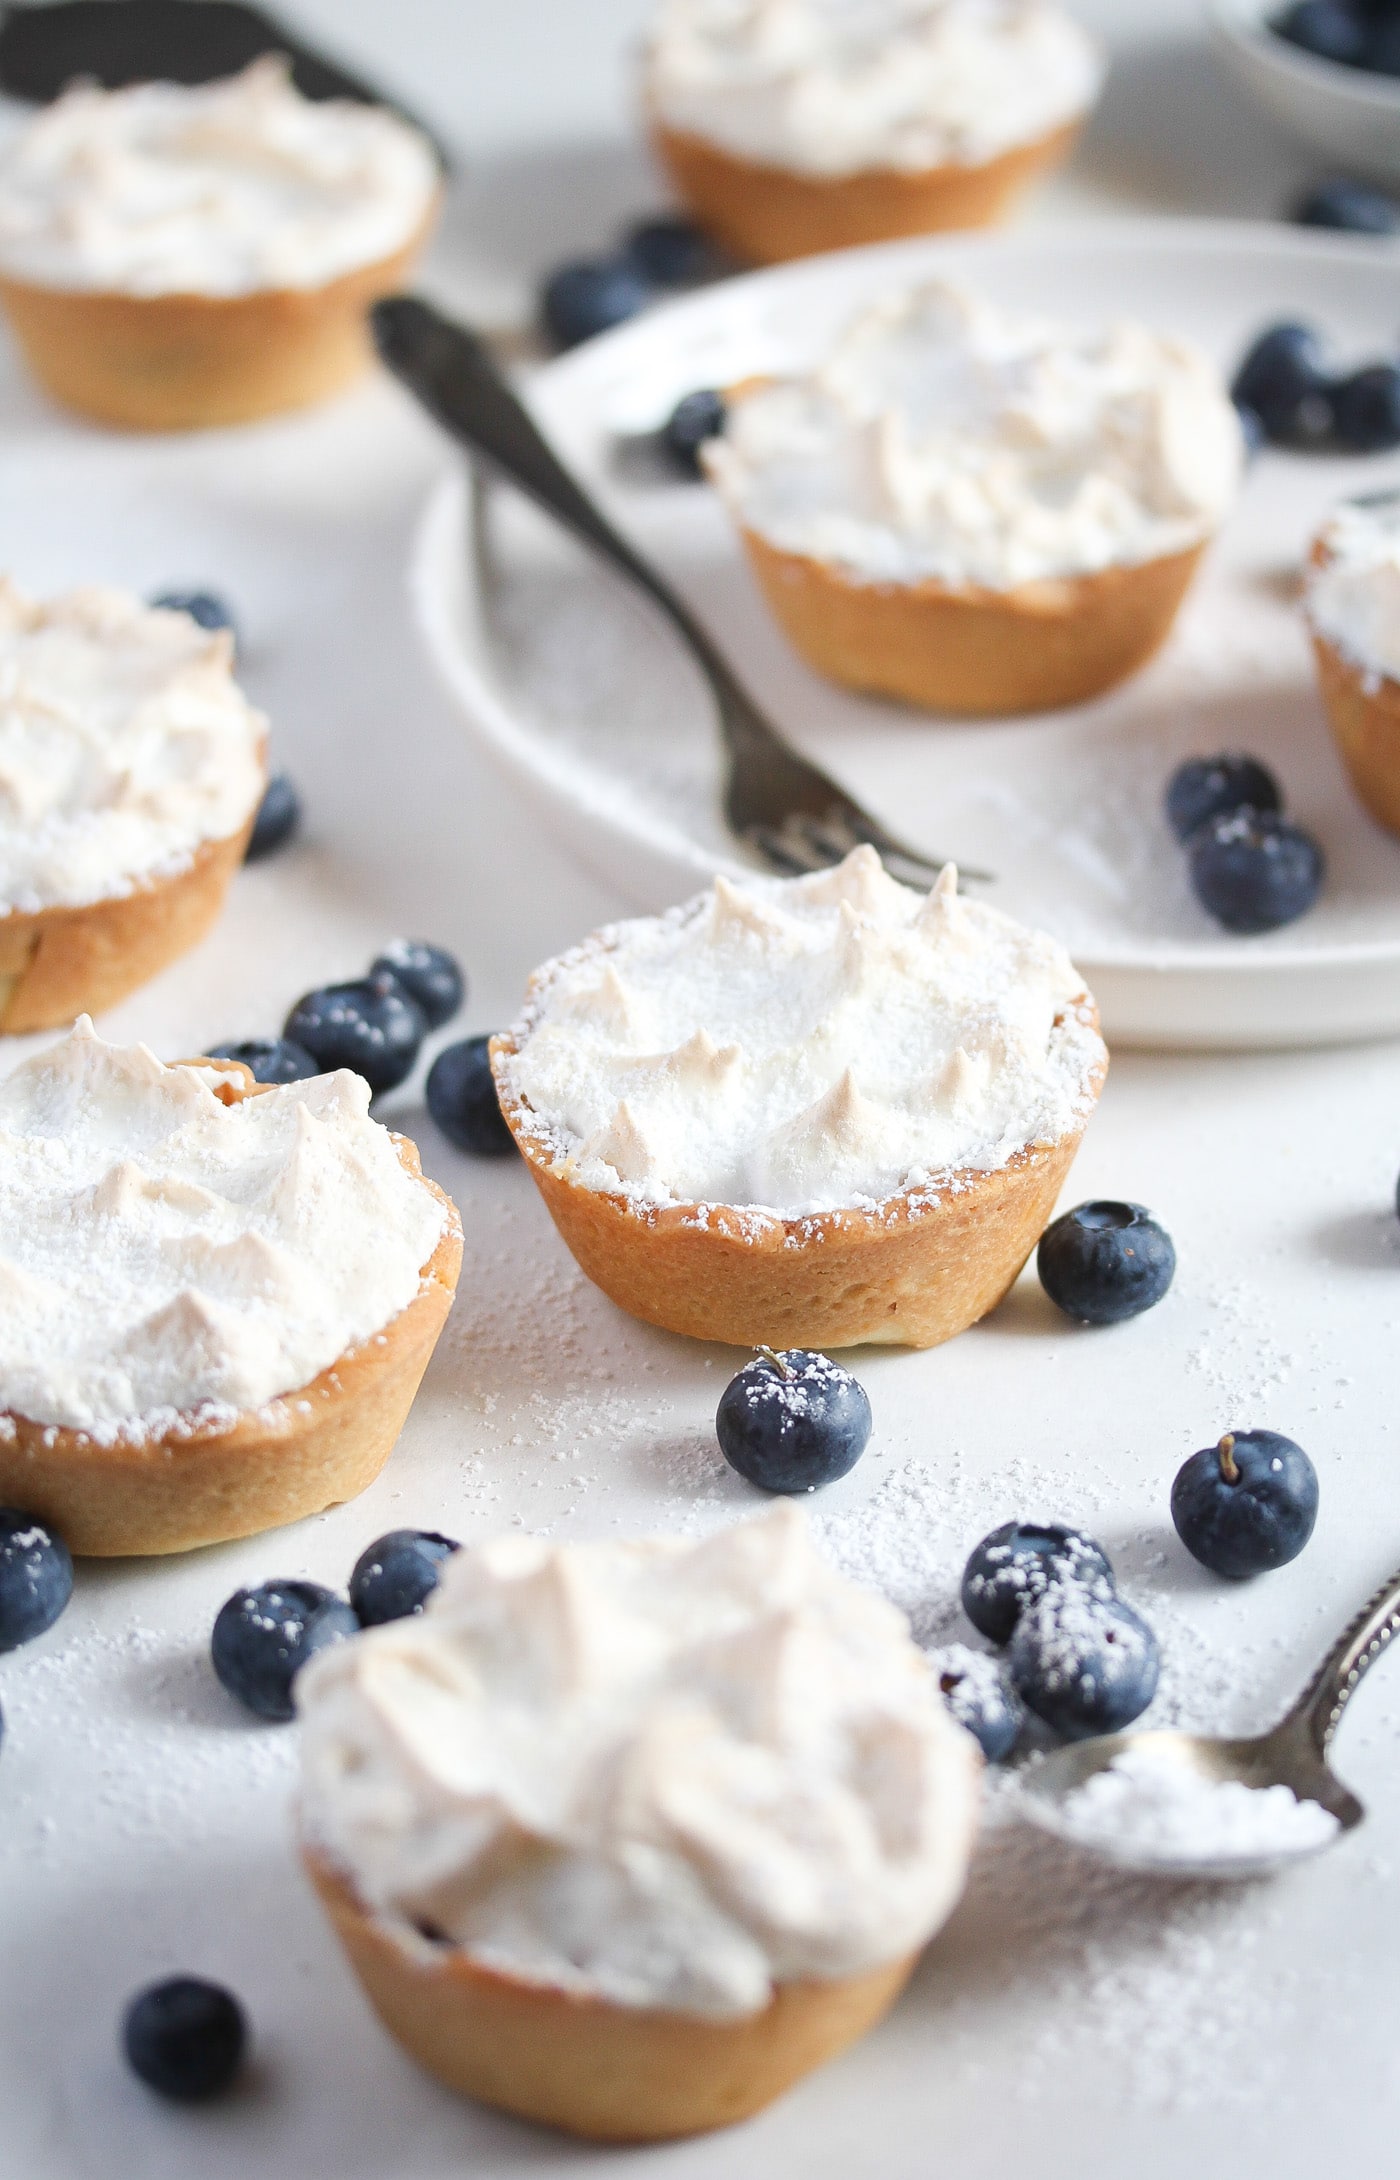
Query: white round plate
column 585, row 697
column 1350, row 113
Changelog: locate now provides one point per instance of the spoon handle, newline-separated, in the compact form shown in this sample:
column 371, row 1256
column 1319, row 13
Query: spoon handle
column 1351, row 1657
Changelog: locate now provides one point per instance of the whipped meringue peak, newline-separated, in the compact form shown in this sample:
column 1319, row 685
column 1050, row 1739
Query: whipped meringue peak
column 1352, row 593
column 797, row 1046
column 165, row 1254
column 215, row 189
column 945, row 438
column 837, row 87
column 667, row 1773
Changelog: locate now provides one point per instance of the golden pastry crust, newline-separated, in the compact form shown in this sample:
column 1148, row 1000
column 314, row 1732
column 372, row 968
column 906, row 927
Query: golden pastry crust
column 58, row 963
column 188, row 362
column 611, row 2073
column 913, row 1273
column 1364, row 713
column 207, row 1482
column 765, row 214
column 983, row 653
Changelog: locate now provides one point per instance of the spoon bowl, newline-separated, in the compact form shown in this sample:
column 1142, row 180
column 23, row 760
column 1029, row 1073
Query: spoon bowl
column 1294, row 1754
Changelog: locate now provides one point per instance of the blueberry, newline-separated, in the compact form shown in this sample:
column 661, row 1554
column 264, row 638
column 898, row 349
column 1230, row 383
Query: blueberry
column 1354, row 207
column 1105, row 1262
column 1284, row 379
column 975, row 1691
column 1254, row 870
column 429, row 975
column 204, row 606
column 670, row 253
column 372, row 1026
column 1016, row 1562
column 1251, row 430
column 695, row 418
column 1246, row 1505
column 1327, row 29
column 185, row 2038
column 792, row 1422
column 1367, row 409
column 264, row 1636
column 461, row 1096
column 589, row 296
column 36, row 1577
column 1208, row 787
column 1383, row 49
column 397, row 1574
column 279, row 814
column 270, row 1059
column 1082, row 1663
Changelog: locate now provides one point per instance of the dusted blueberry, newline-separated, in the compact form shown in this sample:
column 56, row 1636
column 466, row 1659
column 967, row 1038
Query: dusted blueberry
column 979, row 1697
column 372, row 1026
column 792, row 1421
column 1353, row 207
column 1084, row 1664
column 461, row 1096
column 1367, row 408
column 36, row 1577
column 1017, row 1561
column 1254, row 870
column 185, row 2038
column 397, row 1574
column 429, row 974
column 279, row 814
column 1104, row 1262
column 204, row 606
column 270, row 1059
column 695, row 418
column 589, row 296
column 1284, row 379
column 264, row 1636
column 1246, row 1505
column 1329, row 29
column 1207, row 787
column 670, row 253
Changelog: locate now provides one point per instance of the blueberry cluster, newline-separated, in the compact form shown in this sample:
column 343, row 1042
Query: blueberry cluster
column 1076, row 1653
column 1350, row 33
column 1104, row 1262
column 792, row 1421
column 1247, row 1504
column 375, row 1025
column 1251, row 867
column 1288, row 395
column 588, row 295
column 264, row 1635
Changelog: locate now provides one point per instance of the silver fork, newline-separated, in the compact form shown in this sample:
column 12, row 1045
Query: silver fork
column 792, row 813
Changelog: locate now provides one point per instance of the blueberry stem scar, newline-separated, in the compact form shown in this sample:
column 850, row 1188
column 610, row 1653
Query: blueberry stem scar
column 1229, row 1466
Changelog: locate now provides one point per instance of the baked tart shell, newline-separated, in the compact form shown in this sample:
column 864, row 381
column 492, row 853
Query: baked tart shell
column 765, row 214
column 912, row 1273
column 1363, row 710
column 207, row 1482
column 587, row 2065
column 187, row 362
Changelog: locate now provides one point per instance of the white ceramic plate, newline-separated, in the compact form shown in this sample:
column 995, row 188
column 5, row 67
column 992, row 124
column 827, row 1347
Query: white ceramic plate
column 1349, row 113
column 585, row 698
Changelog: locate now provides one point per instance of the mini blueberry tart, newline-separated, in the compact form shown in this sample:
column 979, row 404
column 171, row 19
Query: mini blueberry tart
column 1352, row 602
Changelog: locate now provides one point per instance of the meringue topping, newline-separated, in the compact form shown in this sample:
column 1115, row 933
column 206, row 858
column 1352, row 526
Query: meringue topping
column 1353, row 587
column 163, row 1252
column 124, row 743
column 945, row 438
column 665, row 1773
column 209, row 189
column 803, row 1045
column 834, row 87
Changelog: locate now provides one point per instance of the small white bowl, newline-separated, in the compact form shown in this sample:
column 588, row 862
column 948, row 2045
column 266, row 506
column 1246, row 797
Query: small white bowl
column 1351, row 115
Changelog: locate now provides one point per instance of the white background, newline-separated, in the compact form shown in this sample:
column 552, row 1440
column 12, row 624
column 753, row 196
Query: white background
column 1068, row 2025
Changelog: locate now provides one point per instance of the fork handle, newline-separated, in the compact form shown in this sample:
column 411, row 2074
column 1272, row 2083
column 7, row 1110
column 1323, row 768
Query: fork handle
column 1319, row 1709
column 450, row 371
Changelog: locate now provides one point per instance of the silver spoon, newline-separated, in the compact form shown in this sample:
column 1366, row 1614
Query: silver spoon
column 1293, row 1754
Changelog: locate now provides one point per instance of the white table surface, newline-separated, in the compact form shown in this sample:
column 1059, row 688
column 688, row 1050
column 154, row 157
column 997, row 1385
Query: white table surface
column 1066, row 2024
